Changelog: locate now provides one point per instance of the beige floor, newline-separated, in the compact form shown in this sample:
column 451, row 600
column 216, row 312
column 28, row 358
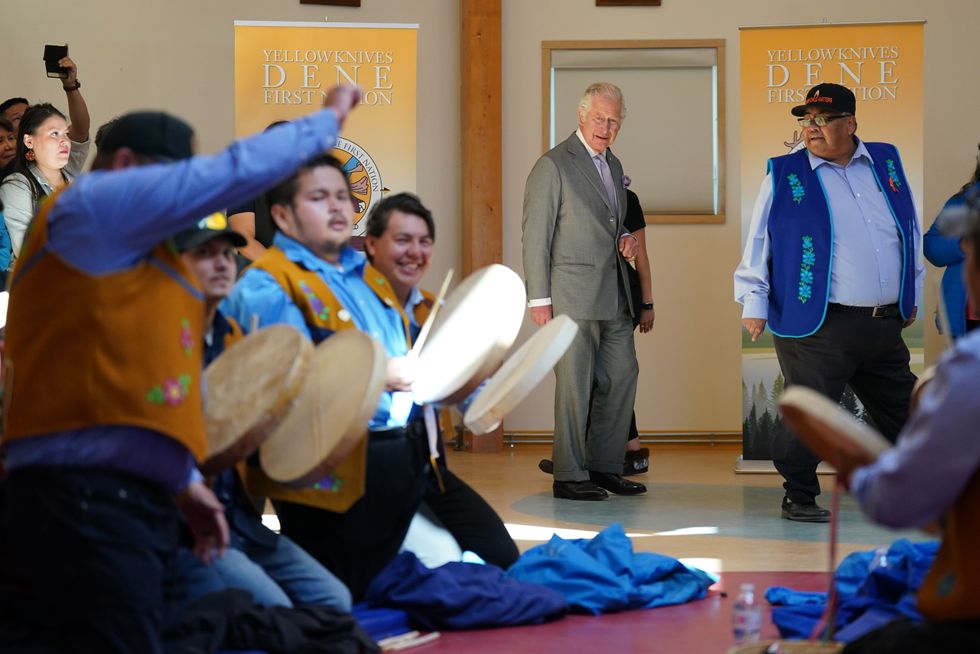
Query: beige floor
column 509, row 477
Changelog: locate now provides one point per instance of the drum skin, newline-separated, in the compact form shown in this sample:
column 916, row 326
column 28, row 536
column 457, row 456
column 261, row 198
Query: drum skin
column 827, row 429
column 471, row 335
column 521, row 373
column 249, row 389
column 340, row 393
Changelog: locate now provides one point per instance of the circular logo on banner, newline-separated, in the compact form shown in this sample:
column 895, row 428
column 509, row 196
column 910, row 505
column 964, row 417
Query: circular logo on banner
column 365, row 179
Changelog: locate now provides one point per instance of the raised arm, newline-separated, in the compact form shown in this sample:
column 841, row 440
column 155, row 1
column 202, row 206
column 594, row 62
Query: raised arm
column 136, row 208
column 77, row 109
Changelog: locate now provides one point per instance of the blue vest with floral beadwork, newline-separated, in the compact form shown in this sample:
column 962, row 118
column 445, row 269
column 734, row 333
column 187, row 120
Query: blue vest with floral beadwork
column 801, row 231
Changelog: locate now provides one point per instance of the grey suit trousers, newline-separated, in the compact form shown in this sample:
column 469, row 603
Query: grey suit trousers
column 600, row 366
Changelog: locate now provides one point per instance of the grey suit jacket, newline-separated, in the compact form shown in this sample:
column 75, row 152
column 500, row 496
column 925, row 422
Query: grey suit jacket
column 570, row 233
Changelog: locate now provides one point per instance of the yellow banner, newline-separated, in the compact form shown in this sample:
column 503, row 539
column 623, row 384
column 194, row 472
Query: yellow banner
column 883, row 65
column 283, row 71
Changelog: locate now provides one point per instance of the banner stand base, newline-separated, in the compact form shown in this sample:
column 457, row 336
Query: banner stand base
column 745, row 466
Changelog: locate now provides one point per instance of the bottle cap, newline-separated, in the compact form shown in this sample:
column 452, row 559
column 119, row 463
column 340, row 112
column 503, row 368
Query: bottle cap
column 748, row 588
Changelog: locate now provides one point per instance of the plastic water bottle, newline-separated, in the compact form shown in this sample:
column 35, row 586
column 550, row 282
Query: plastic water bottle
column 746, row 616
column 879, row 559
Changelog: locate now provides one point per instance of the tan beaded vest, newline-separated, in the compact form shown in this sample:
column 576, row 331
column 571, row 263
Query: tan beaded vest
column 324, row 314
column 90, row 350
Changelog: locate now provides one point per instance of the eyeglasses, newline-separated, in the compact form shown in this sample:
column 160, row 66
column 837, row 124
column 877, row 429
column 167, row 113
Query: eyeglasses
column 820, row 120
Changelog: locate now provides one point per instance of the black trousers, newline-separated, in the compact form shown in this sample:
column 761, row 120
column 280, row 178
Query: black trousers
column 84, row 558
column 472, row 522
column 356, row 545
column 849, row 349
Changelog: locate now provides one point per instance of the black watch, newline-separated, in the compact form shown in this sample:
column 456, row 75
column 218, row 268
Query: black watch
column 77, row 86
column 647, row 306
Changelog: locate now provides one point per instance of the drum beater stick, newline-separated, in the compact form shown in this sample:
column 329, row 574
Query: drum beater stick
column 424, row 332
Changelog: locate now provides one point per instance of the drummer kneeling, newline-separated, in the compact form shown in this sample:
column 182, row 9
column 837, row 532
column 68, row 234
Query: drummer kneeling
column 354, row 520
column 275, row 570
column 933, row 475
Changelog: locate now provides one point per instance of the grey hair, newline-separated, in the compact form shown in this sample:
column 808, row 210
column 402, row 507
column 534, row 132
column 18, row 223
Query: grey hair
column 606, row 89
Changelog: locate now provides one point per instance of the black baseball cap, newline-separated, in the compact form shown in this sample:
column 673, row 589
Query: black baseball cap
column 207, row 229
column 152, row 133
column 828, row 96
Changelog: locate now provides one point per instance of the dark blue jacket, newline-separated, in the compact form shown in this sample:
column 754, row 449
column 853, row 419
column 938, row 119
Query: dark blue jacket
column 944, row 251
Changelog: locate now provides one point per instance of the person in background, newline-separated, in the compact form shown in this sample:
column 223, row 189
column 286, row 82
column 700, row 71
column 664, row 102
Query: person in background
column 13, row 108
column 945, row 252
column 8, row 143
column 50, row 153
column 6, row 254
column 641, row 287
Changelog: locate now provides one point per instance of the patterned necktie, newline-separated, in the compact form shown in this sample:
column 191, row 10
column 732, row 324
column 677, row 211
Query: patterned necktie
column 607, row 181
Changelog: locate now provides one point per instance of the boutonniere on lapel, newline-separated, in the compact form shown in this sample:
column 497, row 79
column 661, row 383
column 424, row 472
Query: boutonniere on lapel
column 627, row 181
column 796, row 187
column 894, row 183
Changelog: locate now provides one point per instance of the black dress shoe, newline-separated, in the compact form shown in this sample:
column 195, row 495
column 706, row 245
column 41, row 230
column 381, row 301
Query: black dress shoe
column 616, row 483
column 578, row 490
column 546, row 466
column 636, row 462
column 804, row 511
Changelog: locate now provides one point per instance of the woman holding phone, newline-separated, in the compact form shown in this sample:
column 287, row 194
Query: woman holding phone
column 50, row 153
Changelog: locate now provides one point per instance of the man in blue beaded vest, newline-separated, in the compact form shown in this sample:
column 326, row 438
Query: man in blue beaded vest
column 832, row 264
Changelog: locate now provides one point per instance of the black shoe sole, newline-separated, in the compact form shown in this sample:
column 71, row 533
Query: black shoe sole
column 815, row 519
column 563, row 496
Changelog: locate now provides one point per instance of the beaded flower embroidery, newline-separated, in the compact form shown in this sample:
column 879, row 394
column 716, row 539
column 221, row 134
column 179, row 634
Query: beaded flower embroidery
column 171, row 392
column 315, row 303
column 894, row 183
column 796, row 187
column 808, row 260
column 186, row 337
column 330, row 483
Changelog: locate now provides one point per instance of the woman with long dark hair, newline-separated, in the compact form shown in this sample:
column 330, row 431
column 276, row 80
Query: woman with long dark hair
column 49, row 155
column 47, row 159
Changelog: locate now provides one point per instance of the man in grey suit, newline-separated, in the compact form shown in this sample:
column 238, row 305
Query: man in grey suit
column 575, row 255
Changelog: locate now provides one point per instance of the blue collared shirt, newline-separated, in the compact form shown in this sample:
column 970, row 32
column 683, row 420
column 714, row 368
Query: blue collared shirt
column 108, row 221
column 867, row 264
column 258, row 297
